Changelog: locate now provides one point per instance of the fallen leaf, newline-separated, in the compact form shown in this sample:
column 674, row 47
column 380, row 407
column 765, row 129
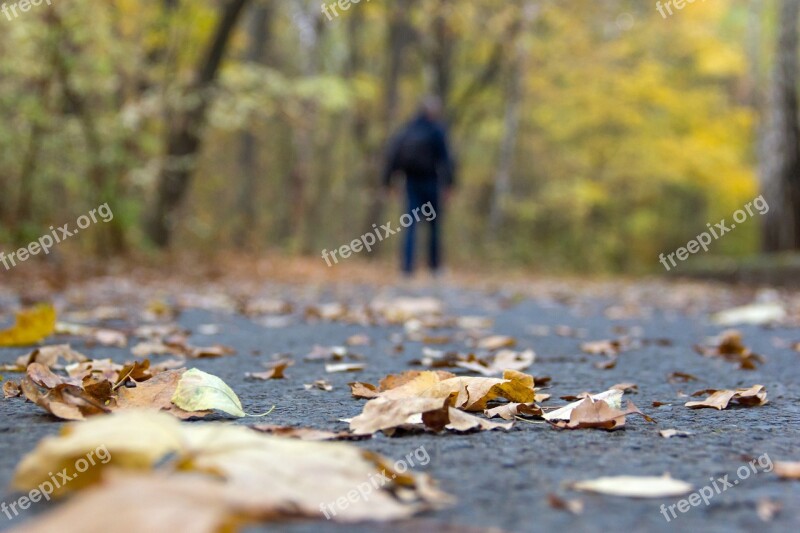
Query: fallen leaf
column 754, row 314
column 767, row 509
column 612, row 397
column 51, row 356
column 344, row 367
column 469, row 393
column 495, row 342
column 598, row 414
column 635, row 486
column 787, row 469
column 156, row 393
column 258, row 476
column 572, row 506
column 11, row 389
column 509, row 411
column 502, row 361
column 669, row 433
column 625, row 387
column 31, row 326
column 681, row 377
column 730, row 347
column 383, row 414
column 358, row 340
column 321, row 384
column 305, row 433
column 719, row 399
column 276, row 372
column 200, row 391
column 462, row 422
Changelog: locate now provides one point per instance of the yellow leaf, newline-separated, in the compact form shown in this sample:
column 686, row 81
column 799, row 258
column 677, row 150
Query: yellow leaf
column 32, row 326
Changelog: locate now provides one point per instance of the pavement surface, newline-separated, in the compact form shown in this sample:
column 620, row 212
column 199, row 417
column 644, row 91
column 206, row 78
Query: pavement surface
column 502, row 480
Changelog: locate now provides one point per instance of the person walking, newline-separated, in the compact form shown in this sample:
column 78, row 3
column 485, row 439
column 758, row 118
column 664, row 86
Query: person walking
column 421, row 151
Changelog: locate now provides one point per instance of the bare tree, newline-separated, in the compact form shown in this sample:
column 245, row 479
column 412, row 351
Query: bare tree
column 184, row 135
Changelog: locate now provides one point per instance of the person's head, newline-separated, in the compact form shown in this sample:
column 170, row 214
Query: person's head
column 431, row 108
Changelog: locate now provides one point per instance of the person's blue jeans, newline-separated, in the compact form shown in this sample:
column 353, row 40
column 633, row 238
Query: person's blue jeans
column 419, row 192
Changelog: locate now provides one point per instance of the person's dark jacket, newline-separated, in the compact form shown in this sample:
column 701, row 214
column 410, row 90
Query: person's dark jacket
column 420, row 151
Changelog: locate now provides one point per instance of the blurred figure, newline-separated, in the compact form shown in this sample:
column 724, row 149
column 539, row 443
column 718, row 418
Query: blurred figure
column 420, row 151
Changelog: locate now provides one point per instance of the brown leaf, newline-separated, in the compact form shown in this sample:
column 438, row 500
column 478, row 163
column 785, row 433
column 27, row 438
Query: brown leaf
column 462, row 422
column 305, row 433
column 571, row 506
column 495, row 342
column 11, row 389
column 502, row 361
column 51, row 356
column 384, row 414
column 275, row 373
column 509, row 411
column 599, row 414
column 321, row 384
column 681, row 377
column 752, row 397
column 787, row 469
column 730, row 347
column 156, row 393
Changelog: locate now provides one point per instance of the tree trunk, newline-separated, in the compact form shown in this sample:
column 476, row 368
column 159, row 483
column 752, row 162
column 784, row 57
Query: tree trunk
column 780, row 168
column 400, row 35
column 246, row 202
column 515, row 94
column 184, row 136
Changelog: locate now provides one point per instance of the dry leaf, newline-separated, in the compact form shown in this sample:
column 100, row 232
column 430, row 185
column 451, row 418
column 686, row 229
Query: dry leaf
column 612, row 397
column 755, row 314
column 599, row 414
column 719, row 399
column 787, row 469
column 681, row 377
column 509, row 411
column 669, row 433
column 571, row 506
column 604, row 347
column 276, row 372
column 729, row 346
column 358, row 340
column 271, row 477
column 31, row 326
column 321, row 384
column 502, row 361
column 344, row 367
column 462, row 422
column 305, row 433
column 625, row 387
column 11, row 389
column 495, row 342
column 635, row 486
column 767, row 509
column 156, row 393
column 469, row 393
column 383, row 414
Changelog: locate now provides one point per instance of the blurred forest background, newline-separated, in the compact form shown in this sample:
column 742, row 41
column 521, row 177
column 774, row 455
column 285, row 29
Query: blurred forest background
column 591, row 135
